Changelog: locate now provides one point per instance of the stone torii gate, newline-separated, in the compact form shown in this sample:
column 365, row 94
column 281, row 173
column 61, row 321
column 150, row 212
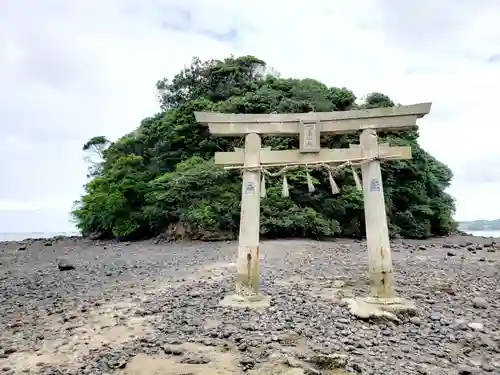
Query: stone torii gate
column 309, row 127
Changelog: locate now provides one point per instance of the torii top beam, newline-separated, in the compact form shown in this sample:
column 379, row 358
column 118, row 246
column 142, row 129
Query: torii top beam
column 286, row 124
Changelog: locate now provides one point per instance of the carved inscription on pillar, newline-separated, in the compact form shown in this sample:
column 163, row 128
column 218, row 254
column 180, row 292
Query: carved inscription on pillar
column 310, row 136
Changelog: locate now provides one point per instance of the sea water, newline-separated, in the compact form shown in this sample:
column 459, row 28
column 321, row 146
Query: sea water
column 484, row 233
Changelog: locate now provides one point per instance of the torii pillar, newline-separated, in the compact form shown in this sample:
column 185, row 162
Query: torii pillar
column 377, row 232
column 248, row 261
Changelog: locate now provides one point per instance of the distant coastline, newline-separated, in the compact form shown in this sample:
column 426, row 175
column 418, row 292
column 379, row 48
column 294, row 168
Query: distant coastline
column 19, row 236
column 479, row 225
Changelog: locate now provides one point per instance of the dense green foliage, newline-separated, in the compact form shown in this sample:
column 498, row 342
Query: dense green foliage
column 161, row 178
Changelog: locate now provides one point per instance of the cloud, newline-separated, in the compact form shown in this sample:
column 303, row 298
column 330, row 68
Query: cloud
column 70, row 70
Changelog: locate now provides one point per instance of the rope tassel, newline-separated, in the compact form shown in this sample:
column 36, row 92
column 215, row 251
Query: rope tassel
column 356, row 179
column 284, row 191
column 263, row 186
column 310, row 185
column 333, row 184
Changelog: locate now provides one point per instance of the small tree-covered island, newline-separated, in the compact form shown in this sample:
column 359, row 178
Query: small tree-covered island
column 161, row 179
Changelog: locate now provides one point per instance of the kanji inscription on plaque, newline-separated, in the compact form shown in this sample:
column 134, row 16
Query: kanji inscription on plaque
column 309, row 136
column 374, row 185
column 250, row 188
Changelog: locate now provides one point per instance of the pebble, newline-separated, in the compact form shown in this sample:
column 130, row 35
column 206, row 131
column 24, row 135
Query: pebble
column 480, row 303
column 476, row 326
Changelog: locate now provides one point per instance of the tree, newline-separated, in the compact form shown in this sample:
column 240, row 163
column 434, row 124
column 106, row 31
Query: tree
column 97, row 145
column 161, row 177
column 95, row 148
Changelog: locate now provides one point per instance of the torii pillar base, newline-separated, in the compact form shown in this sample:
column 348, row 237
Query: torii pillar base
column 258, row 301
column 370, row 307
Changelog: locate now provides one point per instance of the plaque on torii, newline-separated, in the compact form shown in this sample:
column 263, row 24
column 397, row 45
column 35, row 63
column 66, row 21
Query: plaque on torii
column 310, row 127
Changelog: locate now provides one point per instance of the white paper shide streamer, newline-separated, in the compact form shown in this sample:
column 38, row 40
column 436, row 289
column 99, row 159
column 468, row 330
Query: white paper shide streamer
column 310, row 185
column 333, row 184
column 284, row 191
column 263, row 186
column 356, row 179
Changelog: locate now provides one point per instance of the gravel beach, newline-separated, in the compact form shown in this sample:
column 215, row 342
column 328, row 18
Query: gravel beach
column 74, row 306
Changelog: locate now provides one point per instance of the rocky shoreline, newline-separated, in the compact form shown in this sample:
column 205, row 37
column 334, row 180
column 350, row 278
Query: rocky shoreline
column 169, row 238
column 77, row 306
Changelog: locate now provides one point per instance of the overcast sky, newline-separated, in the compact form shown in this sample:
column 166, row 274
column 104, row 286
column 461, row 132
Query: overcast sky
column 70, row 70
